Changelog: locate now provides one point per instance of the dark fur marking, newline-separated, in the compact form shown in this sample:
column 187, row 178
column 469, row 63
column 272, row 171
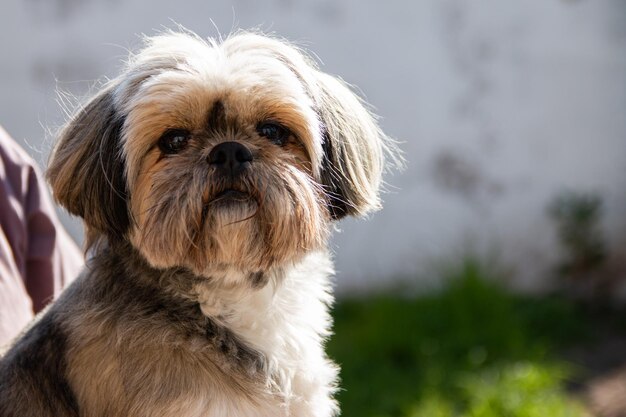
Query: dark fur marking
column 217, row 118
column 337, row 205
column 258, row 279
column 152, row 294
column 115, row 196
column 36, row 367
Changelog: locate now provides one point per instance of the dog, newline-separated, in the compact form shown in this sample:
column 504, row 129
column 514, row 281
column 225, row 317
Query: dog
column 209, row 176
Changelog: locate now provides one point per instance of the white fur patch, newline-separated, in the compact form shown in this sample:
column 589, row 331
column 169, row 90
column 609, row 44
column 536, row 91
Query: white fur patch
column 287, row 321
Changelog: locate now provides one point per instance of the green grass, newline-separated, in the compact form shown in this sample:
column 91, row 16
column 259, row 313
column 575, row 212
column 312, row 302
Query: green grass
column 471, row 350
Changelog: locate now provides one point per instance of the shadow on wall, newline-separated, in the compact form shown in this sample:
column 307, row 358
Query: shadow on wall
column 588, row 269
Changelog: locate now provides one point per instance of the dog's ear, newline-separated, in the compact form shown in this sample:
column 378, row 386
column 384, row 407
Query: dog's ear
column 86, row 168
column 354, row 150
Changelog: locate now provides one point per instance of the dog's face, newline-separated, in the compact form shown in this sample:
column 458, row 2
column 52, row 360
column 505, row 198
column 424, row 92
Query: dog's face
column 206, row 155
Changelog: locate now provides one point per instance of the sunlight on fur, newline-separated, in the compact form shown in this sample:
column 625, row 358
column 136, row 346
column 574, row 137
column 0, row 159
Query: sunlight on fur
column 209, row 176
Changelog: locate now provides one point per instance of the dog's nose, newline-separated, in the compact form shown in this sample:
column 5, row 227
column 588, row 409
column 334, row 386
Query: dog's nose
column 231, row 157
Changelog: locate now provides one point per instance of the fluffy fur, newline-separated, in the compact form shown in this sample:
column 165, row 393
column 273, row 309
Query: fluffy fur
column 208, row 290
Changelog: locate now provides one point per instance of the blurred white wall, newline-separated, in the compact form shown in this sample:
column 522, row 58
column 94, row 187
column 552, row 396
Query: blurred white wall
column 500, row 105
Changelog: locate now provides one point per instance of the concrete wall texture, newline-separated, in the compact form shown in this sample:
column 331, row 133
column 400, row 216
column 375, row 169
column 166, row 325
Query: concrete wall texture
column 500, row 105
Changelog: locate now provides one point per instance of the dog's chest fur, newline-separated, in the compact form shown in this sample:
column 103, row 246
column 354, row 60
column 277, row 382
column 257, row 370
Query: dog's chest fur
column 244, row 351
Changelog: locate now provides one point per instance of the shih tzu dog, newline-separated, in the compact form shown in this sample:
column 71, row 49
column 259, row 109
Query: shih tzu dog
column 209, row 175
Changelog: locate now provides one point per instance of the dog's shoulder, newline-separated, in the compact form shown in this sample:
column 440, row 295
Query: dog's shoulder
column 33, row 372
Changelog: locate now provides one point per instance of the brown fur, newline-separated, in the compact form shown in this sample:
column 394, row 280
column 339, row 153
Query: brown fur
column 193, row 300
column 126, row 326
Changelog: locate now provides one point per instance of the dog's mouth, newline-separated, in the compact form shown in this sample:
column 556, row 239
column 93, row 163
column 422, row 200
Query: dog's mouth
column 231, row 194
column 231, row 198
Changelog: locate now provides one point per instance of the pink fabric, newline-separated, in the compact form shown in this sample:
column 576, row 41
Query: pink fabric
column 37, row 257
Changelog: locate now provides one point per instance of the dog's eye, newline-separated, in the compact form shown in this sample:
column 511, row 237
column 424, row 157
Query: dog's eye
column 174, row 141
column 275, row 132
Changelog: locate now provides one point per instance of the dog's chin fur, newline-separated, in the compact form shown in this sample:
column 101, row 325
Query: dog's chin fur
column 249, row 232
column 209, row 286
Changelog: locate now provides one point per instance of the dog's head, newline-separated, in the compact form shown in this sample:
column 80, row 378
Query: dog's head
column 204, row 154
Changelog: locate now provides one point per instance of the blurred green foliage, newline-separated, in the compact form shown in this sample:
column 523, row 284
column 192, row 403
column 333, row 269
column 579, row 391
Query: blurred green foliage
column 471, row 350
